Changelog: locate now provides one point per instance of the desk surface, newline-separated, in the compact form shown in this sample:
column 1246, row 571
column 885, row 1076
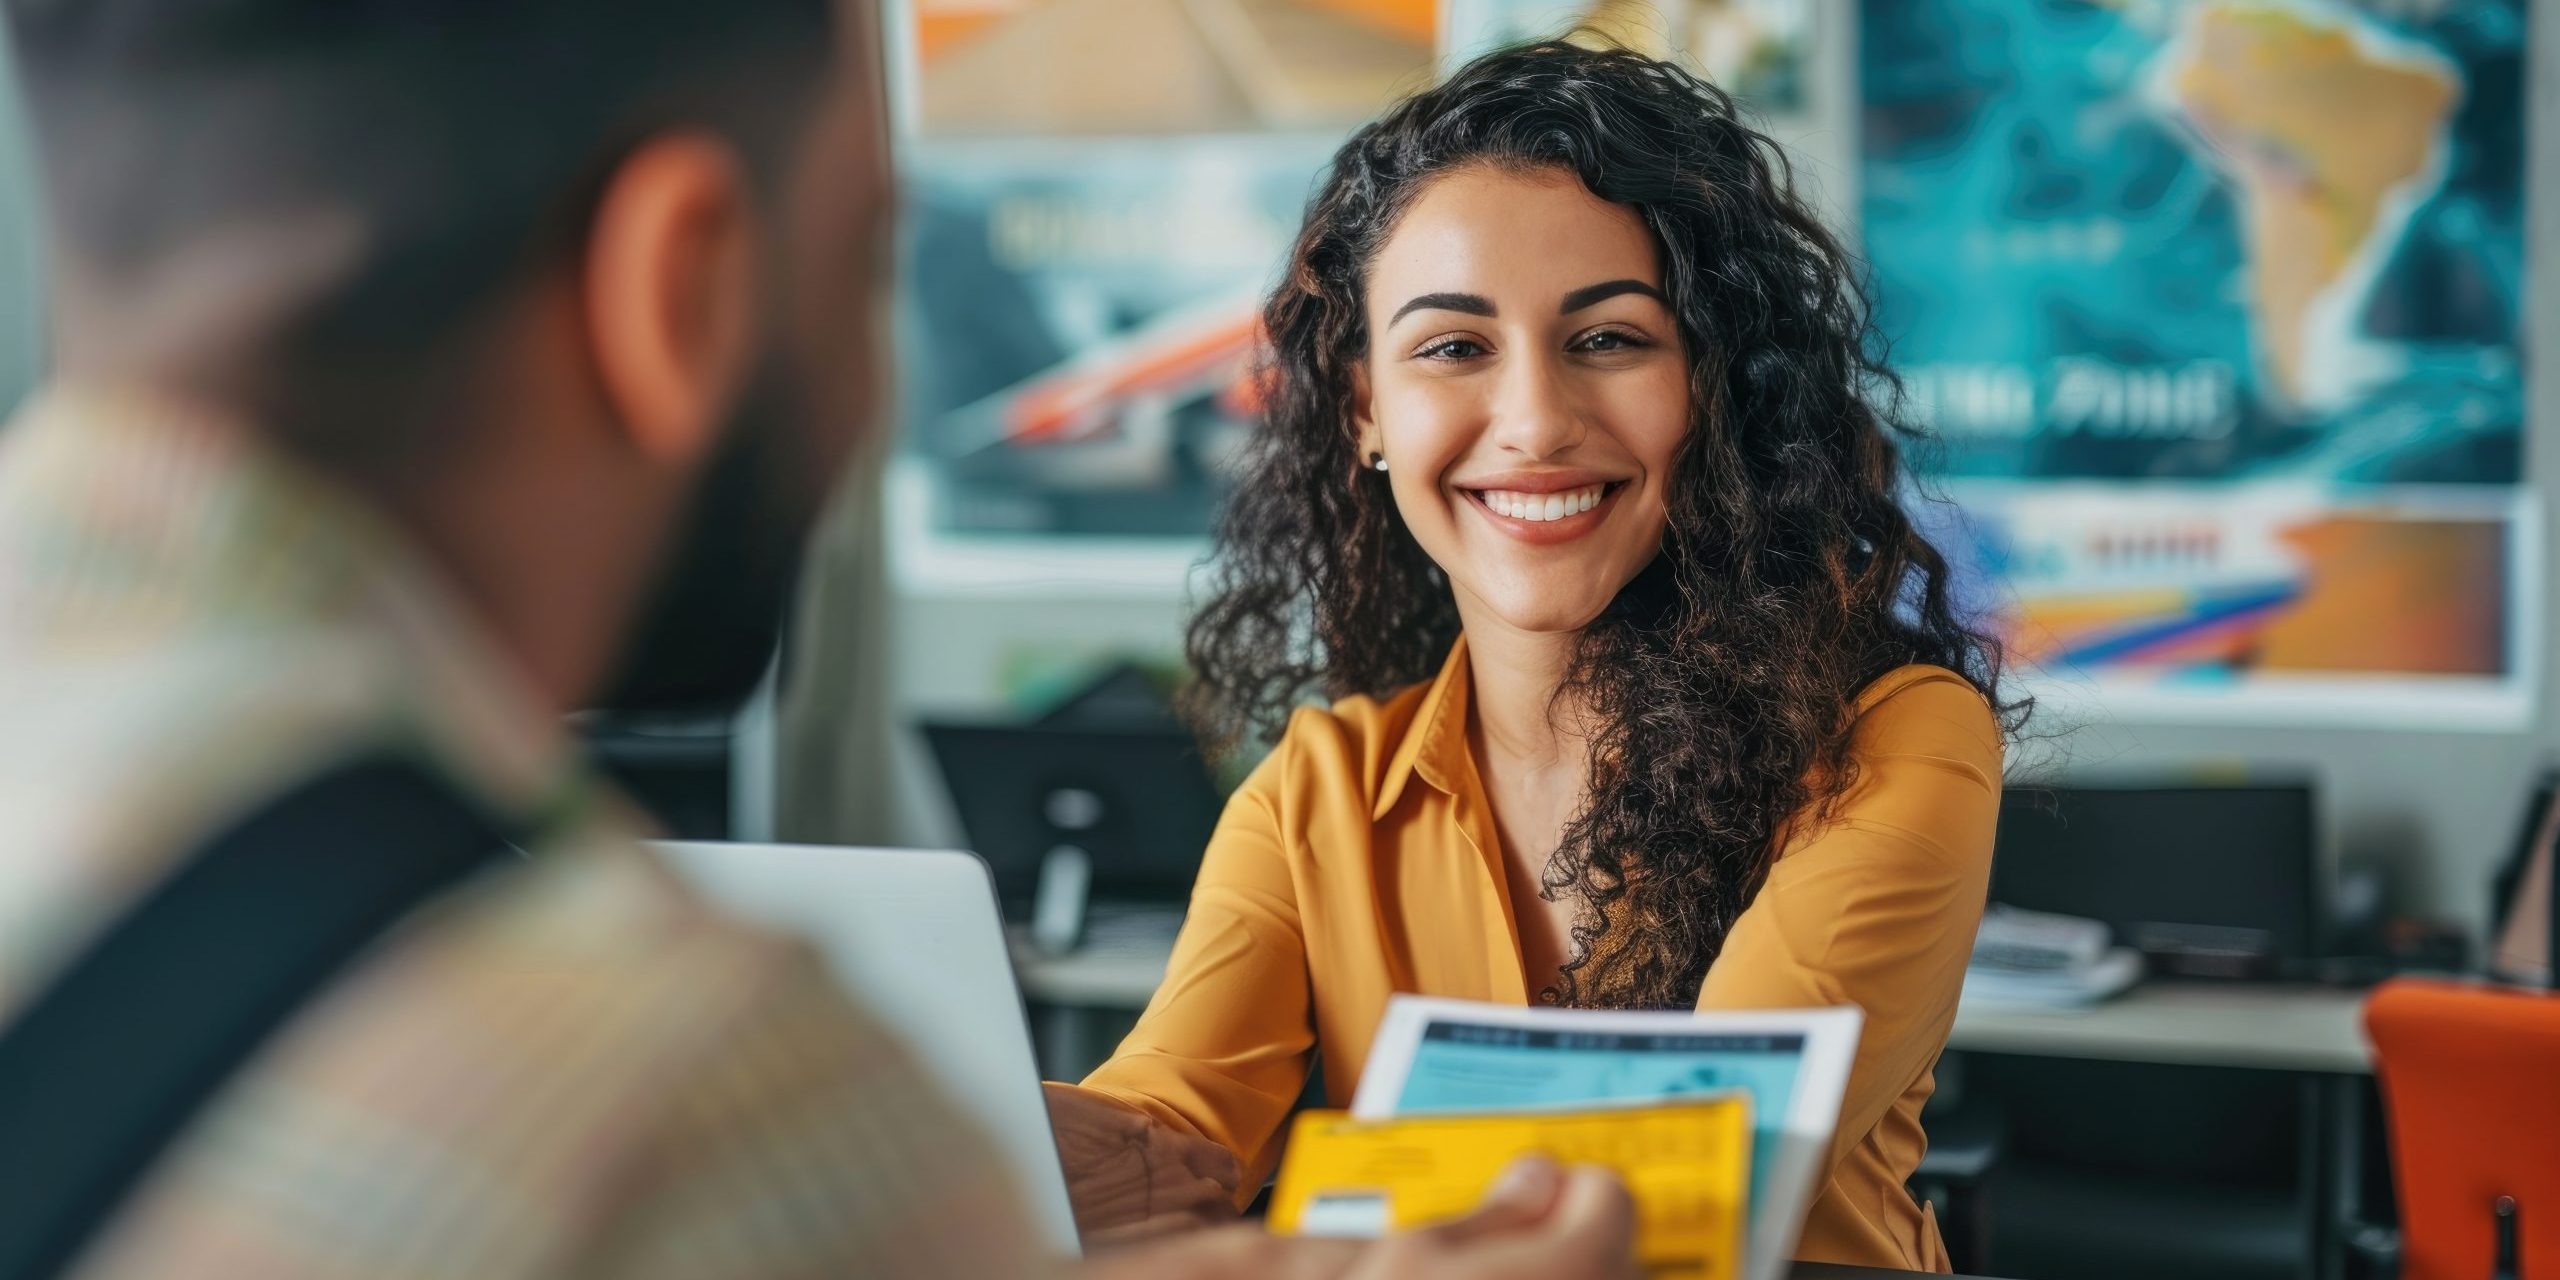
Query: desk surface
column 1825, row 1271
column 2277, row 1027
column 2284, row 1028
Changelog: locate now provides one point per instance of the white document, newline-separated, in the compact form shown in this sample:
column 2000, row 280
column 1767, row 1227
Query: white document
column 1991, row 986
column 1435, row 1056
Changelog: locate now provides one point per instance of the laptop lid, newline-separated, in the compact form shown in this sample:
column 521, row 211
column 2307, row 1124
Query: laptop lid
column 914, row 936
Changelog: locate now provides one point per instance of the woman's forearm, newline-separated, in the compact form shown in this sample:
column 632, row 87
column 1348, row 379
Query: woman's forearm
column 1130, row 1175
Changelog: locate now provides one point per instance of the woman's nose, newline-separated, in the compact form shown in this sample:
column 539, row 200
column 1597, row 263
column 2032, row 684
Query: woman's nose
column 1536, row 416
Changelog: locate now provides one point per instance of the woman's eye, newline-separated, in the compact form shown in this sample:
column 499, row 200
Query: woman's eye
column 1452, row 349
column 1611, row 340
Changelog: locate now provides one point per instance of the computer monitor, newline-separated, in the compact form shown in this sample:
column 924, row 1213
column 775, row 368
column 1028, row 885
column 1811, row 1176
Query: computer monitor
column 2206, row 880
column 1137, row 799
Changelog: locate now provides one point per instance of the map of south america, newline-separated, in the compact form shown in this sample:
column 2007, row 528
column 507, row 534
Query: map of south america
column 2216, row 312
column 2202, row 240
column 2332, row 137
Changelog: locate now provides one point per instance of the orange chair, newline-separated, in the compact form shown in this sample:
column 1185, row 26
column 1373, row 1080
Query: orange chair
column 2471, row 1078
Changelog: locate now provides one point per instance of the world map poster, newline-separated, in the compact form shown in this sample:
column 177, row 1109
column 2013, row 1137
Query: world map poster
column 2215, row 308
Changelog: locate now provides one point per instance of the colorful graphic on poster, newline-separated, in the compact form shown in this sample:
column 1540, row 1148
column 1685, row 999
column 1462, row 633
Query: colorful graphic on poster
column 1089, row 243
column 1757, row 50
column 2208, row 586
column 1080, row 328
column 2216, row 308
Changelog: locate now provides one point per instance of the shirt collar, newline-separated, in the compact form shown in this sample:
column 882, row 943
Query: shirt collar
column 172, row 520
column 1435, row 744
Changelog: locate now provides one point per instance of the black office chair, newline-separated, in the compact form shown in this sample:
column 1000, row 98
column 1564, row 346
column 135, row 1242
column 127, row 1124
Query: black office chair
column 1966, row 1141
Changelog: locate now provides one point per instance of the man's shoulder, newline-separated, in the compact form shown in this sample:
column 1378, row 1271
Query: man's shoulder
column 560, row 1045
column 577, row 1058
column 592, row 956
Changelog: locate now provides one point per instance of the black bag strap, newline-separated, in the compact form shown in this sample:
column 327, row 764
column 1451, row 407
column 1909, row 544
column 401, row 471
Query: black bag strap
column 104, row 1067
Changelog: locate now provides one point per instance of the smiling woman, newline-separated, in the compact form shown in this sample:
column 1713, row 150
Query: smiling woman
column 1578, row 494
column 1529, row 416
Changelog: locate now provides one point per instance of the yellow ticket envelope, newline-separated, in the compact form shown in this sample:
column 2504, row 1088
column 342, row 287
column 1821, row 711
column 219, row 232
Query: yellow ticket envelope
column 1686, row 1162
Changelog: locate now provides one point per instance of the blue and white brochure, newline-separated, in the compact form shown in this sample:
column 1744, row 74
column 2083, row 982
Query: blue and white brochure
column 1435, row 1056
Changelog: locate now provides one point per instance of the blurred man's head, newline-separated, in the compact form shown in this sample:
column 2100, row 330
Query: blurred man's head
column 584, row 291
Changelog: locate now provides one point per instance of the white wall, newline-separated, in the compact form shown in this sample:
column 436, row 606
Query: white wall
column 2436, row 810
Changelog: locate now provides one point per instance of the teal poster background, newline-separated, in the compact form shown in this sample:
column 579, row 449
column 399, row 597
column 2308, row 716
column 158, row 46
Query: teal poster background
column 2204, row 240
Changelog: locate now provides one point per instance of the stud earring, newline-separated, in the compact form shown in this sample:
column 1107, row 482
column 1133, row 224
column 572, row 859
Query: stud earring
column 1377, row 462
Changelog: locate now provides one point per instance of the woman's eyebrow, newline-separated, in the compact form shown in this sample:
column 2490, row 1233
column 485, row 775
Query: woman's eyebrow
column 1594, row 294
column 1474, row 304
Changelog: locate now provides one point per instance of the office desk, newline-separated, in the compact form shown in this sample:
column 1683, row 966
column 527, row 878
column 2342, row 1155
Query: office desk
column 2274, row 1027
column 1825, row 1271
column 1091, row 978
column 2315, row 1032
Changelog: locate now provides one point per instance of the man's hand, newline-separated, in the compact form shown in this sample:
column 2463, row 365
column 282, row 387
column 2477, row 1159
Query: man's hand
column 1540, row 1222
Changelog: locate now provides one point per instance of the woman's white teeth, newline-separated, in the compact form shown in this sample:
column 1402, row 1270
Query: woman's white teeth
column 1543, row 506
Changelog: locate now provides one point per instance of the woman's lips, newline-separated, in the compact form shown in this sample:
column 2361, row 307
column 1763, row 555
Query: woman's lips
column 1545, row 518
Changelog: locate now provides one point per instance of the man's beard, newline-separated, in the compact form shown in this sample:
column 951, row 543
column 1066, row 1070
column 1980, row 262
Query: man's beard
column 711, row 627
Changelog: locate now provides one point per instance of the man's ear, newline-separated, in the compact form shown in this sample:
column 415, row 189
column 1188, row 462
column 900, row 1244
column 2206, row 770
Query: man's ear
column 670, row 293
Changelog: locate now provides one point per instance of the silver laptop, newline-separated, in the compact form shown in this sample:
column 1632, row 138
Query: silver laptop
column 914, row 935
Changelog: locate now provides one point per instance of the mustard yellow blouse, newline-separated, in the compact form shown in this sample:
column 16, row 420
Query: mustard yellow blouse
column 1361, row 860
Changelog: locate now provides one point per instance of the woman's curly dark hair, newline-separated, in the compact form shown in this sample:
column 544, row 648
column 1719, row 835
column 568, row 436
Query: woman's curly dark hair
column 1722, row 678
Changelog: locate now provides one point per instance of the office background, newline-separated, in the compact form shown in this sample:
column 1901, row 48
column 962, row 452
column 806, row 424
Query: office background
column 2430, row 800
column 2182, row 1129
column 2433, row 807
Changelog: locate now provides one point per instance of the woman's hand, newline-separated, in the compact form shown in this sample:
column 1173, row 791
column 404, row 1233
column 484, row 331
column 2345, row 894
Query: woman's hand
column 1130, row 1177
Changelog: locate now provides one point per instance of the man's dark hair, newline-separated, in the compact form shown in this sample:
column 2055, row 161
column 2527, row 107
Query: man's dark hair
column 467, row 139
